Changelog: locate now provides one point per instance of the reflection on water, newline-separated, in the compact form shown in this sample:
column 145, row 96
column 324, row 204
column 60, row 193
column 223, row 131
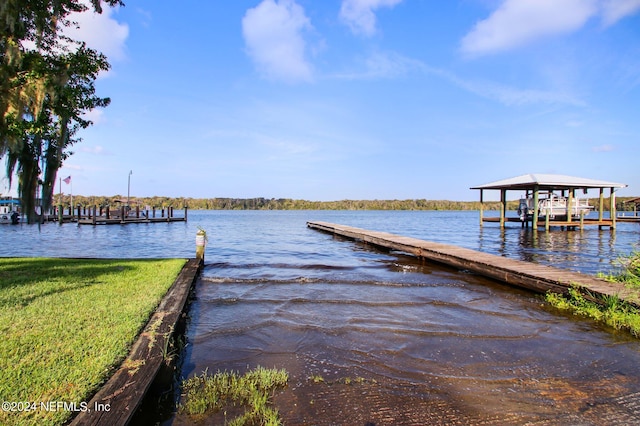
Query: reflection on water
column 395, row 340
column 400, row 341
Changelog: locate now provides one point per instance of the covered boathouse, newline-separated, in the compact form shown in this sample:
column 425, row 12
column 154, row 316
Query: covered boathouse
column 551, row 200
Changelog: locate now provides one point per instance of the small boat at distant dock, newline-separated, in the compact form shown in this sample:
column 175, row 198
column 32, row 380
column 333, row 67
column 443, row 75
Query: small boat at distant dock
column 554, row 206
column 9, row 211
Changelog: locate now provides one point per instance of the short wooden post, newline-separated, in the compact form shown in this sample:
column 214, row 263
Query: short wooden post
column 107, row 212
column 581, row 219
column 60, row 214
column 185, row 213
column 201, row 243
column 93, row 218
column 122, row 214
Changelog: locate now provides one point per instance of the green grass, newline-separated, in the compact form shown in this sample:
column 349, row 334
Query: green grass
column 66, row 324
column 610, row 310
column 249, row 395
column 629, row 273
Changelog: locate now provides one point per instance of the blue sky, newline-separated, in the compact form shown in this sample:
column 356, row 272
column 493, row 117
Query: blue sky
column 360, row 99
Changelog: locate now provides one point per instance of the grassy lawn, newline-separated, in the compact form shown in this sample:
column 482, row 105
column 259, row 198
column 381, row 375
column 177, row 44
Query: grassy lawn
column 610, row 310
column 66, row 324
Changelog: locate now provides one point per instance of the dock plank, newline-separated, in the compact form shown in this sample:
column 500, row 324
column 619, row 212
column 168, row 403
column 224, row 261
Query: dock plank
column 533, row 276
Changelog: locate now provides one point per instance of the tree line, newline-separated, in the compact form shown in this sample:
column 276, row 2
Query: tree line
column 262, row 203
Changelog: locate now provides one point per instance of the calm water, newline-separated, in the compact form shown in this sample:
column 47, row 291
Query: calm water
column 395, row 341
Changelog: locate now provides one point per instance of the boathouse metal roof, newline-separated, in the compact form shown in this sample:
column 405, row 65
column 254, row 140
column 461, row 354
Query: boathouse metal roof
column 549, row 181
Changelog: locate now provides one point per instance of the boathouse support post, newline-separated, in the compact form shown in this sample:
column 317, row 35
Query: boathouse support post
column 536, row 197
column 503, row 206
column 481, row 208
column 546, row 221
column 570, row 204
column 612, row 207
column 601, row 207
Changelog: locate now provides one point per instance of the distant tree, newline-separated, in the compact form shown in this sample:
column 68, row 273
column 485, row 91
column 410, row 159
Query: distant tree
column 46, row 85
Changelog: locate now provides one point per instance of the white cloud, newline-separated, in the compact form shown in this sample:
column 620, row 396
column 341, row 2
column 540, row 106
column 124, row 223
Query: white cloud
column 519, row 22
column 381, row 65
column 95, row 115
column 97, row 150
column 359, row 14
column 614, row 10
column 508, row 95
column 273, row 36
column 100, row 31
column 603, row 148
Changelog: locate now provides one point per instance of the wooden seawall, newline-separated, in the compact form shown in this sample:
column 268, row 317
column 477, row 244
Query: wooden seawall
column 539, row 278
column 116, row 402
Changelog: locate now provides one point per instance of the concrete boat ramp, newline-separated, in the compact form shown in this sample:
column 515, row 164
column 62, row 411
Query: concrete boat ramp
column 532, row 276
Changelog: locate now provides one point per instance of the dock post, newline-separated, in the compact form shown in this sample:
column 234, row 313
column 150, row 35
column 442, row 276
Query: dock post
column 481, row 209
column 612, row 208
column 93, row 218
column 60, row 214
column 185, row 213
column 570, row 205
column 546, row 222
column 536, row 199
column 503, row 206
column 201, row 243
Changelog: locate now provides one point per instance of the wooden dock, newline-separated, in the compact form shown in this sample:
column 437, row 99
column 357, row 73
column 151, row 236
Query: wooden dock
column 117, row 401
column 532, row 276
column 127, row 220
column 121, row 218
column 569, row 224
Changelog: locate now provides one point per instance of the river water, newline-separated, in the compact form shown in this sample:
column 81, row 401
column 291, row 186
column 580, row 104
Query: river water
column 372, row 337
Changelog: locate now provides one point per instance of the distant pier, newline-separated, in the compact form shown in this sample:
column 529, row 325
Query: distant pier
column 120, row 216
column 532, row 276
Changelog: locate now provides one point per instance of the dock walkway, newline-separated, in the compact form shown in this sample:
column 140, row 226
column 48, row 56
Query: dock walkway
column 532, row 276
